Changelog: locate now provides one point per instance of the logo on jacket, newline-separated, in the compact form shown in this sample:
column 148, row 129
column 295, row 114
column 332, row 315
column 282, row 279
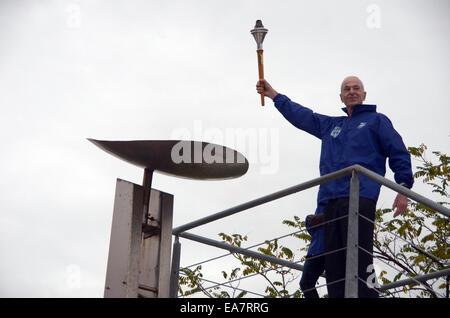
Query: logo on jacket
column 361, row 125
column 335, row 131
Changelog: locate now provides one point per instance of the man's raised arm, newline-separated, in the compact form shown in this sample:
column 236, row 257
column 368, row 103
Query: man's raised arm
column 298, row 115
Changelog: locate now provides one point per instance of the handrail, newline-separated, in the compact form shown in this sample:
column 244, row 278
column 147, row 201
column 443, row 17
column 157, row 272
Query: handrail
column 288, row 264
column 271, row 197
column 416, row 279
column 309, row 184
column 180, row 230
column 405, row 191
column 243, row 251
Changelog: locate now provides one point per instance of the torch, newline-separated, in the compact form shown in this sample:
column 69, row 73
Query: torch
column 259, row 33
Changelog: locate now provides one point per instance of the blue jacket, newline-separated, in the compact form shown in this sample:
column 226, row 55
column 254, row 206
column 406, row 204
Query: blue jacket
column 366, row 138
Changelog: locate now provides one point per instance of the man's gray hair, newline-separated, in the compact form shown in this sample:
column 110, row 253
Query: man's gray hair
column 352, row 76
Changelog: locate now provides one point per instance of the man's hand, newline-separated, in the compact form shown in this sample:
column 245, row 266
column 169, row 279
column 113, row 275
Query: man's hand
column 401, row 203
column 264, row 86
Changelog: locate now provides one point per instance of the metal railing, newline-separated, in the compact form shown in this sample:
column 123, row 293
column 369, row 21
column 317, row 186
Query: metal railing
column 351, row 274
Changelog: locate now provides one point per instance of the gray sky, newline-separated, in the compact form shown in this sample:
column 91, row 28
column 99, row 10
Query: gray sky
column 124, row 70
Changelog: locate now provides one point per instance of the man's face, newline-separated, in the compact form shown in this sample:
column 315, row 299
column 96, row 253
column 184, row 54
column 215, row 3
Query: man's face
column 352, row 92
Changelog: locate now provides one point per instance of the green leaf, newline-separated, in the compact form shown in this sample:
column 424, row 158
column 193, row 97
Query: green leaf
column 287, row 252
column 241, row 294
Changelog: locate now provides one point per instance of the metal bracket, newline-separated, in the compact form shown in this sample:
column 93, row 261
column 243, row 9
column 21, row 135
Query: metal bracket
column 151, row 229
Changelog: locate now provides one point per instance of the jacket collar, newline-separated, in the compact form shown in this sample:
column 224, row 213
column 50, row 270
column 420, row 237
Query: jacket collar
column 361, row 108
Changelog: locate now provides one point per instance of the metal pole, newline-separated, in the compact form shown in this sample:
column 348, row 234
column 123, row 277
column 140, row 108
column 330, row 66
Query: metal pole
column 147, row 185
column 405, row 191
column 309, row 184
column 416, row 279
column 240, row 250
column 264, row 199
column 351, row 270
column 174, row 275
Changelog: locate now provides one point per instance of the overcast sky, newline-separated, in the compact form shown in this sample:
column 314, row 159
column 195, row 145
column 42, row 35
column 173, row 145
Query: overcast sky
column 126, row 70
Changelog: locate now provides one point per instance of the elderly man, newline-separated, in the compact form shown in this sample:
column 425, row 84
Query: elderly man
column 362, row 137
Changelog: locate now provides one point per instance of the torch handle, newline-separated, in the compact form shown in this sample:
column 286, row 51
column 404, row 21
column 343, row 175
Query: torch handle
column 261, row 71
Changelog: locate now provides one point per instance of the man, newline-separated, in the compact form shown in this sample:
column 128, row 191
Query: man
column 362, row 137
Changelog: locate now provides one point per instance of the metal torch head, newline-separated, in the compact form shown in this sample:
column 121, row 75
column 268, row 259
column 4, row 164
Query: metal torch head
column 259, row 33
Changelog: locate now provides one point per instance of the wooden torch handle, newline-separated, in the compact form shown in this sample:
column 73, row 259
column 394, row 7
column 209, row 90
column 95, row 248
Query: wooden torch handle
column 261, row 71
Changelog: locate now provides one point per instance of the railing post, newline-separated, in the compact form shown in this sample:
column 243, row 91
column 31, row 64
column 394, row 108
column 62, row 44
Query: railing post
column 174, row 275
column 351, row 270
